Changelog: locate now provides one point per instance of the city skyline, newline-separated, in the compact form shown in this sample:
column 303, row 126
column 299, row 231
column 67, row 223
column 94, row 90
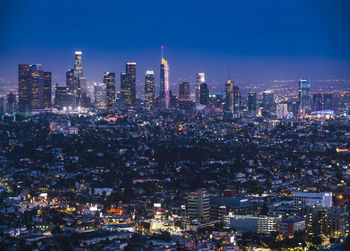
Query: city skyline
column 263, row 41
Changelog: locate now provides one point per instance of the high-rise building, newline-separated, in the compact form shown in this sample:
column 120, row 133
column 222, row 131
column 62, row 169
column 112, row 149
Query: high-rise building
column 47, row 92
column 78, row 64
column 83, row 85
column 24, row 87
column 282, row 111
column 184, row 91
column 72, row 81
column 59, row 92
column 200, row 78
column 128, row 84
column 229, row 97
column 236, row 98
column 252, row 102
column 198, row 206
column 164, row 84
column 109, row 81
column 149, row 90
column 317, row 104
column 172, row 101
column 304, row 96
column 268, row 100
column 36, row 75
column 100, row 95
column 327, row 101
column 11, row 102
column 204, row 94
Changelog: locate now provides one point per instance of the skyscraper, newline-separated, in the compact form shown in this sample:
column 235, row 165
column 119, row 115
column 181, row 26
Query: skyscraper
column 72, row 81
column 11, row 102
column 164, row 84
column 236, row 98
column 128, row 84
column 229, row 97
column 184, row 91
column 252, row 102
column 36, row 75
column 149, row 90
column 204, row 94
column 100, row 95
column 47, row 91
column 24, row 88
column 78, row 64
column 327, row 101
column 59, row 92
column 268, row 100
column 200, row 78
column 109, row 80
column 304, row 96
column 317, row 104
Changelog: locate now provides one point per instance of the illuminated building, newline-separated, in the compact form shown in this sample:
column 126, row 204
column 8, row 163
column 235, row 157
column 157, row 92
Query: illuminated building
column 282, row 111
column 24, row 87
column 252, row 102
column 172, row 101
column 304, row 96
column 149, row 90
column 36, row 75
column 268, row 100
column 109, row 81
column 71, row 81
column 59, row 92
column 317, row 104
column 204, row 94
column 250, row 223
column 229, row 96
column 164, row 83
column 128, row 84
column 198, row 206
column 47, row 89
column 100, row 95
column 200, row 78
column 83, row 85
column 236, row 98
column 184, row 91
column 11, row 102
column 313, row 199
column 78, row 64
column 327, row 101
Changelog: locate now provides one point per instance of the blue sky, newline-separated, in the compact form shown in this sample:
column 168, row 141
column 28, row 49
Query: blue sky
column 256, row 39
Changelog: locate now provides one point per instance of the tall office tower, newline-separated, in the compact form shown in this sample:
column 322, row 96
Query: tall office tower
column 36, row 78
column 149, row 90
column 100, row 95
column 128, row 84
column 236, row 98
column 204, row 94
column 78, row 64
column 317, row 104
column 24, row 88
column 11, row 102
column 2, row 105
column 71, row 81
column 109, row 80
column 327, row 101
column 59, row 92
column 184, row 91
column 198, row 206
column 282, row 111
column 304, row 96
column 83, row 85
column 252, row 102
column 164, row 84
column 172, row 101
column 268, row 100
column 200, row 78
column 229, row 96
column 47, row 92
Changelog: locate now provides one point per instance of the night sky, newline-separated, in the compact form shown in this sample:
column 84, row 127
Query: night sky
column 257, row 40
